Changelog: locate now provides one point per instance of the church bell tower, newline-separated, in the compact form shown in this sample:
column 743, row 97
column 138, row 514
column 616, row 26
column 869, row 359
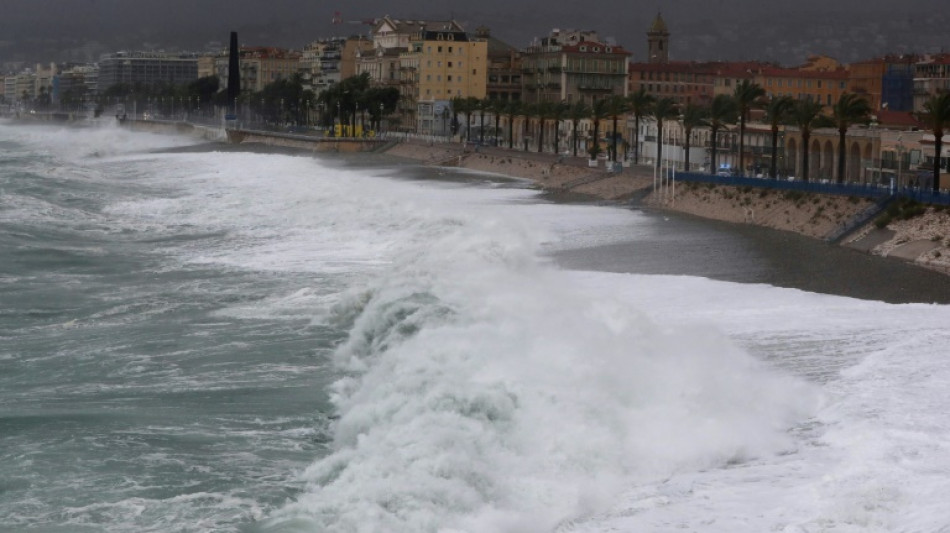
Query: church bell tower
column 658, row 42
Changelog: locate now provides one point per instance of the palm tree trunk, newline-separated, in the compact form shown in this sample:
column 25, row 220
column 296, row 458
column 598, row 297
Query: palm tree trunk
column 540, row 135
column 713, row 168
column 511, row 132
column 773, row 172
column 636, row 140
column 481, row 128
column 574, row 135
column 938, row 147
column 524, row 130
column 805, row 139
column 686, row 155
column 742, row 145
column 497, row 125
column 841, row 153
column 659, row 143
column 596, row 137
column 614, row 141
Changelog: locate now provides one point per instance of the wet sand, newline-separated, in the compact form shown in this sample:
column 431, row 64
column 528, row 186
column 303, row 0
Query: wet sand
column 691, row 246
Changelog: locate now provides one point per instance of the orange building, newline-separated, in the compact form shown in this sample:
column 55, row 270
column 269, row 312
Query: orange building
column 823, row 86
column 685, row 82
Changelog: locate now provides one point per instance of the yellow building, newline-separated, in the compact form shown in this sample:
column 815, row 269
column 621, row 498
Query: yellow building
column 260, row 66
column 440, row 64
column 450, row 65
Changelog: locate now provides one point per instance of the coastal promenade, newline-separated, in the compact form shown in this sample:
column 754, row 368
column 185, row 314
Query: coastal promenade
column 846, row 219
column 833, row 215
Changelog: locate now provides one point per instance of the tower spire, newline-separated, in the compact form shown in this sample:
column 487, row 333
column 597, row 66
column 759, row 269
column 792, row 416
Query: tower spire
column 658, row 41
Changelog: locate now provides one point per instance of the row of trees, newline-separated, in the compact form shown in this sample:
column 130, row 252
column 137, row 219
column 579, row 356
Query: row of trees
column 356, row 98
column 721, row 114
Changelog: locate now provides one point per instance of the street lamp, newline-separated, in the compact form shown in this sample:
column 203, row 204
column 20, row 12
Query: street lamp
column 339, row 117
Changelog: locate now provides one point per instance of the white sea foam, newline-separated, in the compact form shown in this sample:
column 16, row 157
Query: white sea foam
column 486, row 392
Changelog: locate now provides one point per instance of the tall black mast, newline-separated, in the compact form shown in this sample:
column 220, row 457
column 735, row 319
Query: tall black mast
column 234, row 75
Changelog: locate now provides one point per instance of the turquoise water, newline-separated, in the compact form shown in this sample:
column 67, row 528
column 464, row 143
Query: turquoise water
column 128, row 401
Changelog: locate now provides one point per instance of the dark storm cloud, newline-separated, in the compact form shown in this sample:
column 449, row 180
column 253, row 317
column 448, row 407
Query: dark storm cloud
column 57, row 30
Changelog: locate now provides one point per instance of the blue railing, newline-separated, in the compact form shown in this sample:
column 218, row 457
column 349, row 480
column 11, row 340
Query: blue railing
column 844, row 189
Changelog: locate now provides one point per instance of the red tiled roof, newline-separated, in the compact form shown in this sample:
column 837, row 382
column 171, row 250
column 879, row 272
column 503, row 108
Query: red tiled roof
column 886, row 117
column 777, row 72
column 590, row 45
column 673, row 66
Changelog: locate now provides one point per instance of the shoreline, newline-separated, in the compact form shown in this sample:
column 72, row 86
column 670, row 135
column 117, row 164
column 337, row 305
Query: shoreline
column 923, row 241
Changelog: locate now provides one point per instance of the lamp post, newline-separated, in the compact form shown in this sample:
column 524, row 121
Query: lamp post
column 339, row 118
column 379, row 123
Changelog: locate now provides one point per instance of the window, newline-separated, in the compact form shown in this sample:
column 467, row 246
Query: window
column 450, row 49
column 449, row 77
column 450, row 64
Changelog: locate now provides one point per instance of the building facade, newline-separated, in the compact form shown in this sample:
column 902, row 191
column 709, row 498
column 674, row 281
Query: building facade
column 573, row 66
column 146, row 69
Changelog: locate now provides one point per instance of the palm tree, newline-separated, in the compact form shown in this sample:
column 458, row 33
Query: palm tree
column 512, row 110
column 497, row 107
column 527, row 111
column 640, row 103
column 693, row 117
column 777, row 113
column 598, row 112
column 664, row 109
column 543, row 112
column 558, row 112
column 616, row 105
column 471, row 105
column 746, row 94
column 850, row 109
column 936, row 116
column 807, row 116
column 483, row 105
column 721, row 113
column 459, row 107
column 576, row 113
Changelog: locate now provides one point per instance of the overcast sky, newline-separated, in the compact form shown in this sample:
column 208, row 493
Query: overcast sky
column 80, row 30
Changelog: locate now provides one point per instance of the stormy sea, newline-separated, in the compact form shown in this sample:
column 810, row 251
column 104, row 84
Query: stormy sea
column 196, row 339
